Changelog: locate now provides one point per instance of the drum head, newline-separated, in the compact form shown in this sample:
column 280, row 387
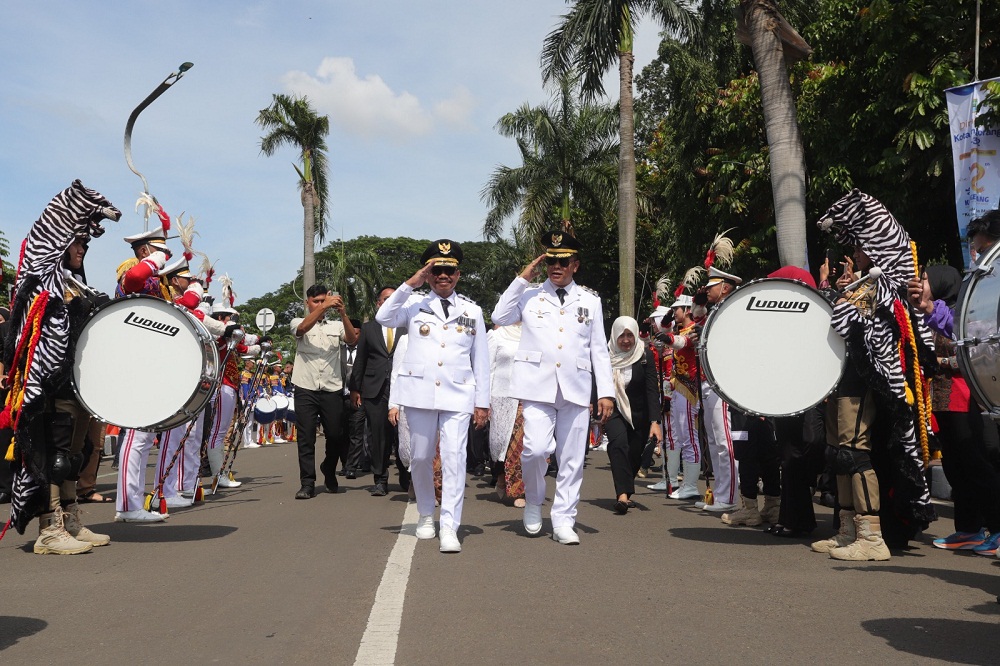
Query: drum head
column 769, row 348
column 976, row 327
column 137, row 362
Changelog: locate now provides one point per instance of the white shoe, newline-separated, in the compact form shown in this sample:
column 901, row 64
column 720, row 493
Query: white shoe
column 659, row 485
column 251, row 445
column 140, row 516
column 532, row 518
column 681, row 494
column 720, row 507
column 179, row 502
column 227, row 481
column 449, row 541
column 565, row 535
column 425, row 527
column 280, row 440
column 700, row 505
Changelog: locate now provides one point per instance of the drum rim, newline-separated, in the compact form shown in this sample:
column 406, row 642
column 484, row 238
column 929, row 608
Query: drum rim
column 194, row 405
column 972, row 276
column 706, row 368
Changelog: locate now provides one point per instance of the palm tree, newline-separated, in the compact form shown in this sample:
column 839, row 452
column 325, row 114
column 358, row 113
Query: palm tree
column 355, row 275
column 590, row 38
column 568, row 158
column 772, row 41
column 291, row 120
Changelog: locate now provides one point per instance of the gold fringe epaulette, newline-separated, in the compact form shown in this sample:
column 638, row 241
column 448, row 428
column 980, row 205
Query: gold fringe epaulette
column 125, row 266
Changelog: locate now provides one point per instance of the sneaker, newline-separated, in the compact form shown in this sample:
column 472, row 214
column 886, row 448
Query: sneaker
column 179, row 502
column 961, row 540
column 140, row 516
column 659, row 485
column 425, row 527
column 699, row 505
column 719, row 507
column 251, row 445
column 532, row 519
column 988, row 547
column 449, row 541
column 227, row 481
column 565, row 535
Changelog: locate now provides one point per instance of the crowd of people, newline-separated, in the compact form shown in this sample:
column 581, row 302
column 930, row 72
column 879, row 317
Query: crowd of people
column 428, row 387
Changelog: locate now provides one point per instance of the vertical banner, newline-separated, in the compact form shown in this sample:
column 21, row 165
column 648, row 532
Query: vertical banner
column 976, row 155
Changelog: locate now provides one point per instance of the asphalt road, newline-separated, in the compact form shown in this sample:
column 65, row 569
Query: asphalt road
column 254, row 576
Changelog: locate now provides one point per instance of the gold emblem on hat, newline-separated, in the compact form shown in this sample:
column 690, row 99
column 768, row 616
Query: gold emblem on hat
column 444, row 248
column 556, row 240
column 425, row 330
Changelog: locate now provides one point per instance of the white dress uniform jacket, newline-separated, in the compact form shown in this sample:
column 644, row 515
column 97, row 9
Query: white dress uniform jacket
column 447, row 365
column 561, row 344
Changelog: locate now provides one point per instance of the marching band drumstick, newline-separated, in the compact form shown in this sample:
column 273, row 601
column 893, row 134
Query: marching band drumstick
column 874, row 273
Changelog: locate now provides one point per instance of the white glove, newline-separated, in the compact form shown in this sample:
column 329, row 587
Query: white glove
column 158, row 259
column 253, row 350
column 196, row 288
column 251, row 339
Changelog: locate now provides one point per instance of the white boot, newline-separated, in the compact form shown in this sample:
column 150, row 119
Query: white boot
column 673, row 463
column 689, row 488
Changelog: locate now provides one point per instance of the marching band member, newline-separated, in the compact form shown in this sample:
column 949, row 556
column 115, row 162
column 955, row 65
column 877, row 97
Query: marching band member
column 682, row 425
column 561, row 352
column 444, row 380
column 51, row 302
column 139, row 275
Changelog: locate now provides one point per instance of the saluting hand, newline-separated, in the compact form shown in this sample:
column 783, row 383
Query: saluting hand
column 422, row 276
column 533, row 269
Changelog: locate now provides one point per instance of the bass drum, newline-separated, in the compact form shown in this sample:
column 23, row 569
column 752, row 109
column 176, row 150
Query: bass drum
column 977, row 331
column 144, row 363
column 769, row 350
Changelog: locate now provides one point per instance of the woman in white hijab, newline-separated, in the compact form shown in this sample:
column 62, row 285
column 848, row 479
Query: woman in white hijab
column 637, row 408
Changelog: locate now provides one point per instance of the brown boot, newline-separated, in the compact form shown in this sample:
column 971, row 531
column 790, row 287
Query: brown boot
column 869, row 544
column 748, row 515
column 53, row 537
column 772, row 506
column 846, row 535
column 76, row 529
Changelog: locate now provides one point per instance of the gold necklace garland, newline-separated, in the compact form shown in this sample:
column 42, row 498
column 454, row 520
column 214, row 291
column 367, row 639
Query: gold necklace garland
column 922, row 394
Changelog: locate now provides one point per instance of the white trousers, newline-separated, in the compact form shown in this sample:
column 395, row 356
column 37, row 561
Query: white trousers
column 561, row 428
column 720, row 446
column 225, row 407
column 132, row 460
column 682, row 428
column 184, row 473
column 426, row 426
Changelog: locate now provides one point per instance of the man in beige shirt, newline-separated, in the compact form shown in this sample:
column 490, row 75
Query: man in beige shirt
column 319, row 385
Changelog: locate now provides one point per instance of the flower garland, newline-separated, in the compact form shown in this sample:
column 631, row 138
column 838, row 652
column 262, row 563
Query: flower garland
column 11, row 413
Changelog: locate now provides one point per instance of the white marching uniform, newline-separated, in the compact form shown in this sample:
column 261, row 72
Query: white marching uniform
column 718, row 430
column 443, row 377
column 562, row 350
column 184, row 473
column 133, row 457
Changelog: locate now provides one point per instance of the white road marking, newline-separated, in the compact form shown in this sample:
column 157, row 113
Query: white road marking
column 378, row 645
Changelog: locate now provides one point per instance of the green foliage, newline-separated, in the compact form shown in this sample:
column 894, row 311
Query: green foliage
column 870, row 105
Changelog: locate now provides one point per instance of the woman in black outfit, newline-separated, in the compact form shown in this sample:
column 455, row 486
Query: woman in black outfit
column 637, row 408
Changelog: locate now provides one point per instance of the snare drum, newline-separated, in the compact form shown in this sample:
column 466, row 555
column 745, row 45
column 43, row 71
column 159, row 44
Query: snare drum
column 977, row 331
column 130, row 335
column 280, row 406
column 290, row 414
column 769, row 350
column 264, row 410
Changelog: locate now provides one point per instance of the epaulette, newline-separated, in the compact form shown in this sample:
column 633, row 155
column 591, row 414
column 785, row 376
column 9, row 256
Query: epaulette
column 125, row 266
column 462, row 297
column 422, row 291
column 589, row 291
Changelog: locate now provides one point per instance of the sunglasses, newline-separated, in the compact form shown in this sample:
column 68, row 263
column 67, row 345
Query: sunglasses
column 443, row 270
column 562, row 261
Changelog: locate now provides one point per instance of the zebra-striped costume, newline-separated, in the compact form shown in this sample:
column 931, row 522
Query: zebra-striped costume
column 76, row 212
column 873, row 342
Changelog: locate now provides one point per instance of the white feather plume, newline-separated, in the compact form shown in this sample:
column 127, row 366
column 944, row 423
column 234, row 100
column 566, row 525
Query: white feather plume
column 692, row 277
column 228, row 295
column 663, row 288
column 723, row 249
column 150, row 206
column 187, row 234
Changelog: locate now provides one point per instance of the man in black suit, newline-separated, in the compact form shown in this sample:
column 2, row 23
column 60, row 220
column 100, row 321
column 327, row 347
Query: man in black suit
column 354, row 456
column 370, row 387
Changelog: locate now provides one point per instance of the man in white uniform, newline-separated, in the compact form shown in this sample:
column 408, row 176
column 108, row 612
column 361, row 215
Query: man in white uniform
column 444, row 380
column 563, row 349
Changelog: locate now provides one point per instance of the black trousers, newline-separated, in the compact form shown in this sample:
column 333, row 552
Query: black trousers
column 758, row 458
column 355, row 427
column 975, row 483
column 383, row 435
column 802, row 445
column 312, row 408
column 625, row 447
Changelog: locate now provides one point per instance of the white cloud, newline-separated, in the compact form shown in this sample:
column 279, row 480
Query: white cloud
column 368, row 107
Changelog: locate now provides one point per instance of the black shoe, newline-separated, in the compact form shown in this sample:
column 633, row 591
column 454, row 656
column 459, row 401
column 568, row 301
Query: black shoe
column 350, row 474
column 305, row 492
column 621, row 508
column 380, row 490
column 479, row 470
column 341, row 472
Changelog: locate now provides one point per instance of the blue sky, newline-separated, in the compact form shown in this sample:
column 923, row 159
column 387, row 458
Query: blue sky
column 413, row 89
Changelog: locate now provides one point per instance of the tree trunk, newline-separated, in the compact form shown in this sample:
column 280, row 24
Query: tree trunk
column 788, row 168
column 309, row 237
column 626, row 189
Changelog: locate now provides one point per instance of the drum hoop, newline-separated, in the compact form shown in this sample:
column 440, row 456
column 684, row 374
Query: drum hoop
column 706, row 368
column 204, row 340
